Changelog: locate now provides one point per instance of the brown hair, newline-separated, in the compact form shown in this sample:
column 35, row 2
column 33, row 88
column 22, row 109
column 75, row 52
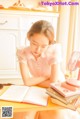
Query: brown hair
column 43, row 27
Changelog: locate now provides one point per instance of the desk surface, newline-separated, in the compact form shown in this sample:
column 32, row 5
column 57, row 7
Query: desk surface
column 20, row 107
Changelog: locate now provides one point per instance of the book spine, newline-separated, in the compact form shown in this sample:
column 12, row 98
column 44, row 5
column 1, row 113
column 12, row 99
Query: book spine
column 64, row 101
column 69, row 106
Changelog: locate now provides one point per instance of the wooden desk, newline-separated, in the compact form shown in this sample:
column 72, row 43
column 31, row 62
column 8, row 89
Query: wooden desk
column 21, row 107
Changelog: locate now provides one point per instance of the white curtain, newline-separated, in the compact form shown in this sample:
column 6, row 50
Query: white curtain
column 69, row 30
column 74, row 31
column 76, row 45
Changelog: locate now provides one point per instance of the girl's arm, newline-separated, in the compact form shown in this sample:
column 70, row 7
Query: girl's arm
column 26, row 78
column 56, row 73
column 45, row 84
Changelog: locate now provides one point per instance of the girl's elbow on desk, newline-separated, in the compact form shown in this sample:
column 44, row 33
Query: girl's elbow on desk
column 34, row 81
column 28, row 82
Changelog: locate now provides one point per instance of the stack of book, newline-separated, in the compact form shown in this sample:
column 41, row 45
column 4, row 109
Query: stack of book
column 64, row 95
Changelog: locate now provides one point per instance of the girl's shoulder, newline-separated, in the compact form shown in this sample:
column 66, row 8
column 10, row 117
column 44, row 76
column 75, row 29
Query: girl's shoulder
column 53, row 53
column 54, row 47
column 23, row 52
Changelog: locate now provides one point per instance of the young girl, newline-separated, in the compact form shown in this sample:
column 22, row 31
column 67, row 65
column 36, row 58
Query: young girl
column 40, row 62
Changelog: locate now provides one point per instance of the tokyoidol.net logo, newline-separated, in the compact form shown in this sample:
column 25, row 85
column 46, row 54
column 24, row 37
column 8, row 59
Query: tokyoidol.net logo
column 48, row 3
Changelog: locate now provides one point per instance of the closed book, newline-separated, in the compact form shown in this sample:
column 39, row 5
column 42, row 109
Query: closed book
column 55, row 94
column 73, row 105
column 33, row 95
column 64, row 91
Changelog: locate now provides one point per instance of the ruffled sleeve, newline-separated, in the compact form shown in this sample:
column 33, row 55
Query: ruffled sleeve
column 21, row 55
column 53, row 54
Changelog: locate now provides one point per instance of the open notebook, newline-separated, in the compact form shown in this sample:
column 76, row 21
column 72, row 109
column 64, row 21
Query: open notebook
column 33, row 95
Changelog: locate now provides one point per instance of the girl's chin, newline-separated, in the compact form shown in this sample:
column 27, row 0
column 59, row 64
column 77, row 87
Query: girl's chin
column 36, row 55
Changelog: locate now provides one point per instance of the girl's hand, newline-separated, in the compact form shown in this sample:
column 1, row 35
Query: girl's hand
column 45, row 84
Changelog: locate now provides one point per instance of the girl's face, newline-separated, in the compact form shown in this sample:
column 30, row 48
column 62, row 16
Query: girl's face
column 38, row 42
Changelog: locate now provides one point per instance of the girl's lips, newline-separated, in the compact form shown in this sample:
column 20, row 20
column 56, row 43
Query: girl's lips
column 36, row 54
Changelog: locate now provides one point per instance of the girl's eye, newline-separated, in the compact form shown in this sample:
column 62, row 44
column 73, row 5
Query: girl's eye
column 34, row 44
column 37, row 45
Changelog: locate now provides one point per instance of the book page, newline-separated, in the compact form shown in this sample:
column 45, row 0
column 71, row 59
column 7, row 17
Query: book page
column 14, row 93
column 36, row 95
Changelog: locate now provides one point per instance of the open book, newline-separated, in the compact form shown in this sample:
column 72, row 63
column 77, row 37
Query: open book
column 33, row 95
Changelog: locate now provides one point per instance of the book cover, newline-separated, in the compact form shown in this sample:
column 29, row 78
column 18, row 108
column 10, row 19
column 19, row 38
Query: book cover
column 64, row 91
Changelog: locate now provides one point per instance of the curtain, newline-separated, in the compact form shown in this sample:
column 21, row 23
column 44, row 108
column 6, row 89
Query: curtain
column 74, row 31
column 73, row 36
column 69, row 30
